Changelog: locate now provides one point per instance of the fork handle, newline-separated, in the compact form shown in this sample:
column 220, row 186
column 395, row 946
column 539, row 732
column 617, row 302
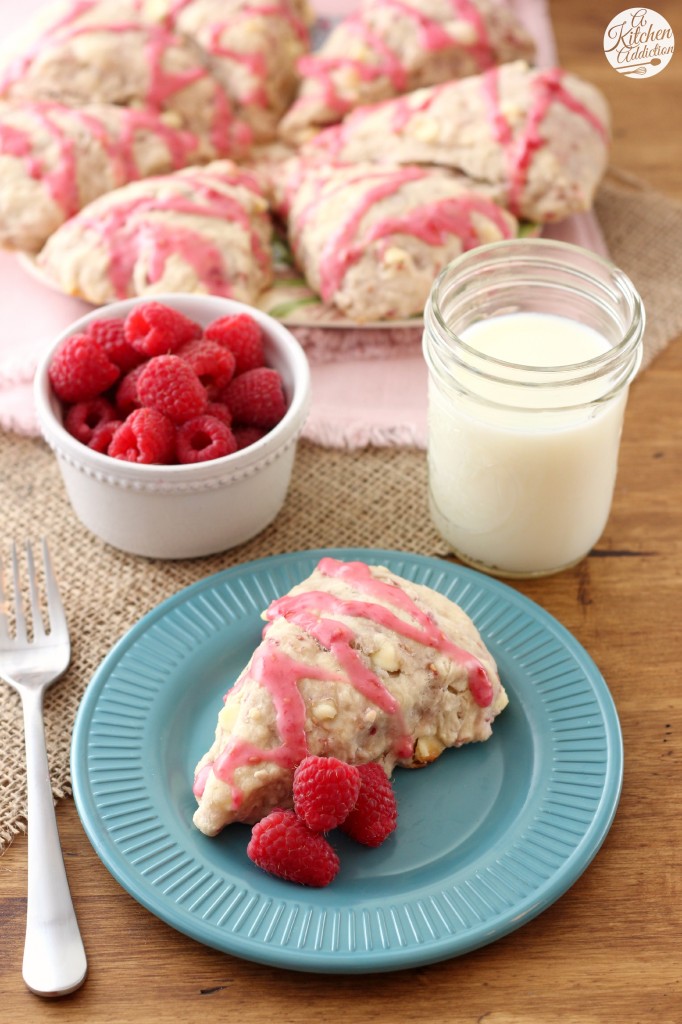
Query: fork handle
column 54, row 957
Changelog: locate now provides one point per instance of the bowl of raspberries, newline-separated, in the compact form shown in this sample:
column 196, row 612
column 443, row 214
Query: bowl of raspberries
column 174, row 421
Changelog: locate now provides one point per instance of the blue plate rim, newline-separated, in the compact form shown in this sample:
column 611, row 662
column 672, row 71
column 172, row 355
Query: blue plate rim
column 391, row 959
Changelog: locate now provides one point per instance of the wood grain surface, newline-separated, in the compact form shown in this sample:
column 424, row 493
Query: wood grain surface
column 609, row 950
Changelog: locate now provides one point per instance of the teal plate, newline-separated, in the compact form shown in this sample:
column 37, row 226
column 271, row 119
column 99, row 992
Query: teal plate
column 488, row 836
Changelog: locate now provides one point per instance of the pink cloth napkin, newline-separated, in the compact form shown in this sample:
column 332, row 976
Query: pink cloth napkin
column 370, row 390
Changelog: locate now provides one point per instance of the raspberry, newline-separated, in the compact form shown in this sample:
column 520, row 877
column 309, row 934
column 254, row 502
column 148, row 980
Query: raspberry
column 146, row 436
column 256, row 397
column 126, row 396
column 204, row 438
column 375, row 814
column 284, row 846
column 80, row 370
column 110, row 336
column 220, row 411
column 84, row 418
column 325, row 791
column 154, row 329
column 169, row 384
column 102, row 436
column 243, row 336
column 244, row 436
column 213, row 364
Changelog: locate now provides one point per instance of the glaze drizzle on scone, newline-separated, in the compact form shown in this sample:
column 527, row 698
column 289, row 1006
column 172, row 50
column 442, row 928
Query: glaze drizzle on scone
column 355, row 663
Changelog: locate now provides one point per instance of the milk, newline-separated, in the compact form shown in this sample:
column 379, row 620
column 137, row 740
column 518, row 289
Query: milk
column 519, row 483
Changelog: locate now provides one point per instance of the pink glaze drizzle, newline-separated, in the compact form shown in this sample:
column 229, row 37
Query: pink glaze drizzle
column 431, row 222
column 280, row 674
column 227, row 134
column 359, row 574
column 60, row 176
column 319, row 70
column 124, row 240
column 547, row 88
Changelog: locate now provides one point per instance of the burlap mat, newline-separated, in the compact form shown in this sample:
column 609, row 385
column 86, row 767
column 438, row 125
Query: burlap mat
column 363, row 498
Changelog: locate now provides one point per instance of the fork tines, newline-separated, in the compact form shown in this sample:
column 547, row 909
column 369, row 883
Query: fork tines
column 41, row 624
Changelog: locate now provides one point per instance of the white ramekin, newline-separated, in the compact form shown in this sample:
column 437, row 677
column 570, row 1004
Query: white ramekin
column 183, row 511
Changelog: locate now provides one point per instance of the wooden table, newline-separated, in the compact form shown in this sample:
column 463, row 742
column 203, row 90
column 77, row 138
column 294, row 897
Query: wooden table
column 609, row 950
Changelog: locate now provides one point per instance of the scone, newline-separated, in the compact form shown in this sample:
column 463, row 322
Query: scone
column 202, row 229
column 370, row 239
column 103, row 51
column 355, row 663
column 386, row 48
column 55, row 159
column 252, row 49
column 536, row 140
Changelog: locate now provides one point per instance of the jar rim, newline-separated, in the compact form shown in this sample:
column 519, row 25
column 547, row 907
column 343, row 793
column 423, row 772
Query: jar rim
column 626, row 353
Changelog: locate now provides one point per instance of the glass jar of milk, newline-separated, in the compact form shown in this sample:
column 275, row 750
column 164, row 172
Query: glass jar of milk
column 531, row 345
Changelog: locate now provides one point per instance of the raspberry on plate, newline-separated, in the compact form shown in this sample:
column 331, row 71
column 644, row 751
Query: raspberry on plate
column 81, row 370
column 169, row 384
column 375, row 814
column 325, row 791
column 256, row 397
column 284, row 846
column 154, row 329
column 204, row 438
column 146, row 436
column 243, row 336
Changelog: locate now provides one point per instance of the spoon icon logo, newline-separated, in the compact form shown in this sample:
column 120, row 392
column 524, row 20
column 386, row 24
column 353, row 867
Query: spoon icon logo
column 638, row 43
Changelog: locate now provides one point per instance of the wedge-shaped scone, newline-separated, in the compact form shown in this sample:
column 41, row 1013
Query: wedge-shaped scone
column 253, row 50
column 536, row 140
column 386, row 48
column 202, row 229
column 103, row 51
column 356, row 663
column 55, row 159
column 370, row 238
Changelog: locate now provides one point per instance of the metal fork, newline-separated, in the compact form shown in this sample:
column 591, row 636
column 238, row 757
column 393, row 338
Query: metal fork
column 54, row 958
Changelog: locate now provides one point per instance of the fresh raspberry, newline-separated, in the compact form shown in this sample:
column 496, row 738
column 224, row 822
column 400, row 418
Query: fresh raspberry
column 84, row 418
column 244, row 436
column 375, row 814
column 220, row 411
column 169, row 384
column 126, row 396
column 213, row 364
column 110, row 336
column 80, row 370
column 325, row 791
column 154, row 329
column 102, row 436
column 203, row 438
column 256, row 397
column 284, row 846
column 146, row 436
column 243, row 336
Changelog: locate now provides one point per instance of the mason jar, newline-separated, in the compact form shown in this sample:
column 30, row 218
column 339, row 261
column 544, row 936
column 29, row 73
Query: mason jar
column 531, row 345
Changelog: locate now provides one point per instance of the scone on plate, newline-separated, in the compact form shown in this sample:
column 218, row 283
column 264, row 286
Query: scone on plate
column 386, row 48
column 536, row 140
column 253, row 50
column 355, row 663
column 55, row 159
column 202, row 229
column 371, row 238
column 103, row 51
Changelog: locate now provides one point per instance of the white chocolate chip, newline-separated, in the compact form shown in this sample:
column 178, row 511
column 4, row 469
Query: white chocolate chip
column 325, row 711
